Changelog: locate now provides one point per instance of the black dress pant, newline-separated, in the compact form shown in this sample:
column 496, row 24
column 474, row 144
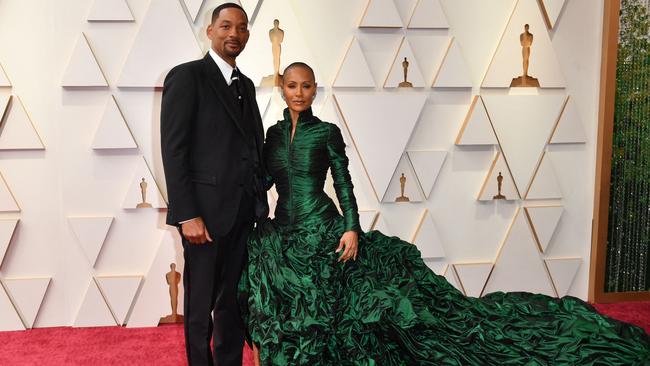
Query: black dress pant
column 211, row 277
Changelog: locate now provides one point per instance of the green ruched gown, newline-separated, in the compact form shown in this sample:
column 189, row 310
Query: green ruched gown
column 301, row 307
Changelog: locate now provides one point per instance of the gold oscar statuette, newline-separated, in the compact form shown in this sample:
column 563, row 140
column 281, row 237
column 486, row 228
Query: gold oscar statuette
column 525, row 80
column 276, row 36
column 173, row 279
column 402, row 184
column 143, row 192
column 405, row 83
column 499, row 196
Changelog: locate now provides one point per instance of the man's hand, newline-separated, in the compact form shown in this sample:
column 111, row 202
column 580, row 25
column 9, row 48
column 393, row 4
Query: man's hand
column 195, row 231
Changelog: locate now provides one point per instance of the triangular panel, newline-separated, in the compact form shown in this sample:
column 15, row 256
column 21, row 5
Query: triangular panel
column 519, row 266
column 427, row 165
column 83, row 69
column 404, row 173
column 143, row 191
column 396, row 76
column 7, row 201
column 94, row 311
column 427, row 239
column 477, row 128
column 371, row 120
column 17, row 131
column 544, row 220
column 563, row 272
column 381, row 14
column 354, row 71
column 110, row 11
column 569, row 128
column 113, row 131
column 7, row 228
column 454, row 72
column 523, row 125
column 119, row 293
column 367, row 220
column 437, row 265
column 490, row 189
column 165, row 39
column 551, row 10
column 428, row 14
column 507, row 63
column 9, row 319
column 193, row 7
column 4, row 79
column 473, row 276
column 27, row 294
column 91, row 233
column 545, row 184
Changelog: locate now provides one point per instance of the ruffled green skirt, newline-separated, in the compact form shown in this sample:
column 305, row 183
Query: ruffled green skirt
column 301, row 307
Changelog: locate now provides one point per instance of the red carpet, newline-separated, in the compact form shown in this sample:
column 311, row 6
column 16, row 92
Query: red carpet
column 160, row 346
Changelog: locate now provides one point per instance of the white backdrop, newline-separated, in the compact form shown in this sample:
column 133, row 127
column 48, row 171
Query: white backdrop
column 77, row 226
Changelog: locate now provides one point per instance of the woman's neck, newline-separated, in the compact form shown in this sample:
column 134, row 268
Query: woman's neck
column 294, row 116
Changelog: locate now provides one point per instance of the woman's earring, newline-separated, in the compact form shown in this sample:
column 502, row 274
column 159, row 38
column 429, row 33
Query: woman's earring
column 313, row 96
column 283, row 97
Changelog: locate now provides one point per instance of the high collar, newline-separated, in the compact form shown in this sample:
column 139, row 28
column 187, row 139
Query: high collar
column 305, row 116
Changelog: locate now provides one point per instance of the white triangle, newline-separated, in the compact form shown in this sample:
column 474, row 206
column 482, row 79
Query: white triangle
column 552, row 10
column 257, row 61
column 83, row 69
column 9, row 319
column 428, row 14
column 91, row 233
column 263, row 101
column 7, row 201
column 477, row 128
column 412, row 188
column 367, row 220
column 544, row 220
column 110, row 11
column 27, row 294
column 119, row 293
column 427, row 239
column 153, row 299
column 427, row 165
column 370, row 119
column 569, row 129
column 4, row 103
column 473, row 276
column 563, row 272
column 93, row 311
column 381, row 13
column 382, row 226
column 330, row 113
column 545, row 184
column 193, row 7
column 454, row 72
column 436, row 265
column 7, row 228
column 396, row 75
column 507, row 62
column 4, row 80
column 451, row 277
column 250, row 6
column 113, row 131
column 490, row 186
column 143, row 180
column 165, row 39
column 17, row 131
column 354, row 71
column 518, row 266
column 523, row 125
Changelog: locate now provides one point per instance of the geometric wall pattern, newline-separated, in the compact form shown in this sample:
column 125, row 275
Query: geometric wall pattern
column 385, row 129
column 17, row 131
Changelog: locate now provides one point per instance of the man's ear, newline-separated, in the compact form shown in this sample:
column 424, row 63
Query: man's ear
column 208, row 31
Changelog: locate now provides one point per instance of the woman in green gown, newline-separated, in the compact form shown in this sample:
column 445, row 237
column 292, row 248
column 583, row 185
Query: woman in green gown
column 320, row 291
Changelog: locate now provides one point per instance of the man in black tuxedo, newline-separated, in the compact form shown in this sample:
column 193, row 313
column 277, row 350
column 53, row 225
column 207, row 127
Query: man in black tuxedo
column 212, row 136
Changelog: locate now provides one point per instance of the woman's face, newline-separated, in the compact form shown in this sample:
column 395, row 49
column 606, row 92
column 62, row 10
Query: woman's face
column 299, row 89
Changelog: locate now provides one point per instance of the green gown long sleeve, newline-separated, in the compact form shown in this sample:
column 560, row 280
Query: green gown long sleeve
column 302, row 307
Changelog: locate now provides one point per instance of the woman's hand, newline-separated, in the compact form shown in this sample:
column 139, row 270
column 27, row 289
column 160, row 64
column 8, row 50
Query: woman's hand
column 349, row 243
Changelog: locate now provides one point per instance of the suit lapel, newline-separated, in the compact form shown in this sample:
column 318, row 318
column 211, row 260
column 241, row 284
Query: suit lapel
column 221, row 89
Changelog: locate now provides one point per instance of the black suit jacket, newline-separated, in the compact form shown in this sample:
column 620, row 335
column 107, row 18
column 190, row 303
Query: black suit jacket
column 205, row 145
